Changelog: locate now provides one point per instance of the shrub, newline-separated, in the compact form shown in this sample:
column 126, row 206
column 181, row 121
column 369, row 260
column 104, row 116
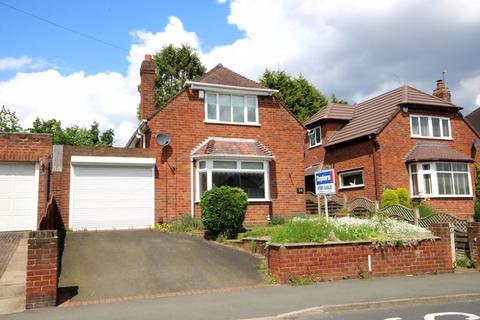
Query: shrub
column 223, row 210
column 425, row 210
column 186, row 223
column 403, row 197
column 277, row 219
column 389, row 197
column 477, row 211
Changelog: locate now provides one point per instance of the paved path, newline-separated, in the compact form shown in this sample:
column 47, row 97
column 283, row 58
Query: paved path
column 9, row 242
column 111, row 264
column 266, row 301
column 13, row 280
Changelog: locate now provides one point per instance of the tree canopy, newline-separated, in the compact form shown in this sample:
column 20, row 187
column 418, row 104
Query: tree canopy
column 9, row 121
column 74, row 135
column 174, row 66
column 334, row 99
column 297, row 93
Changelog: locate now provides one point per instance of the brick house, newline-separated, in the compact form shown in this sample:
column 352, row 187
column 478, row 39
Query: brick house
column 402, row 138
column 222, row 129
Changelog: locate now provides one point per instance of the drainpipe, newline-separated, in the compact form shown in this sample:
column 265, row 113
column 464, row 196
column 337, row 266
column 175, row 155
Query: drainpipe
column 372, row 138
column 192, row 193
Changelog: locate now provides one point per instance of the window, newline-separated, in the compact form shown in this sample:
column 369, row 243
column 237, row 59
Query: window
column 440, row 179
column 430, row 127
column 251, row 176
column 351, row 179
column 315, row 136
column 225, row 108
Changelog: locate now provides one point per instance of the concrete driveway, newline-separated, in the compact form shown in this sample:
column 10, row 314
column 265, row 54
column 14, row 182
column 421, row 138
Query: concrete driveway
column 108, row 264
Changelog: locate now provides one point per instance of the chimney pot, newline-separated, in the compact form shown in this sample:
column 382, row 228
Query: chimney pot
column 148, row 57
column 440, row 84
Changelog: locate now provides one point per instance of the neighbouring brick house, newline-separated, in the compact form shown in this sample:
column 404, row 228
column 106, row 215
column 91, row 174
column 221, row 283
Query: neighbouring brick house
column 222, row 129
column 402, row 138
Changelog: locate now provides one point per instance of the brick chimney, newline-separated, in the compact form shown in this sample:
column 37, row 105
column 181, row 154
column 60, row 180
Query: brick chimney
column 147, row 87
column 442, row 92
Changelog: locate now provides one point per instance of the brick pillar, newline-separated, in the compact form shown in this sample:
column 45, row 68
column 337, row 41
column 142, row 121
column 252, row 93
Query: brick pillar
column 442, row 230
column 473, row 230
column 147, row 87
column 42, row 264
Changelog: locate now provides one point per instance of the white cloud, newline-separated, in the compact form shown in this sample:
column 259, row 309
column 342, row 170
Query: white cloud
column 10, row 63
column 352, row 48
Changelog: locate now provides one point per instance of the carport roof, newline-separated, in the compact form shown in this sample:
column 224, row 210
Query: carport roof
column 231, row 147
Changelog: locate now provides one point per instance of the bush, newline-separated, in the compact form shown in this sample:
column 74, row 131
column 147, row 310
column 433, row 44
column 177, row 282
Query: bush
column 477, row 211
column 276, row 220
column 403, row 197
column 425, row 210
column 223, row 210
column 389, row 197
column 186, row 223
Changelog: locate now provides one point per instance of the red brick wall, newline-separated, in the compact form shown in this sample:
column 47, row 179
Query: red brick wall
column 42, row 275
column 25, row 147
column 183, row 121
column 60, row 181
column 473, row 230
column 395, row 143
column 355, row 156
column 350, row 260
column 317, row 154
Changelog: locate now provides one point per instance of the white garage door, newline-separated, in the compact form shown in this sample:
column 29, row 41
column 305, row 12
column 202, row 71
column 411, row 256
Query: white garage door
column 109, row 195
column 18, row 196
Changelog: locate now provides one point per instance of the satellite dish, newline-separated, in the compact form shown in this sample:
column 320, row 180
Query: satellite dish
column 163, row 139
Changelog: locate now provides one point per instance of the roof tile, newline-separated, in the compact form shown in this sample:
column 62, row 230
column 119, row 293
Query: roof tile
column 225, row 76
column 231, row 147
column 429, row 151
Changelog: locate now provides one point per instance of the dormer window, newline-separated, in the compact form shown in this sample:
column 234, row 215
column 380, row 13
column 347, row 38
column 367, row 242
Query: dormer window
column 430, row 127
column 231, row 109
column 315, row 137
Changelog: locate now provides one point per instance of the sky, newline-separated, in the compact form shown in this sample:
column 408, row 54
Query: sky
column 78, row 61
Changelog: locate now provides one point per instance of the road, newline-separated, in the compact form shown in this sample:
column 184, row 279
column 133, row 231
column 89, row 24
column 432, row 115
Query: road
column 450, row 311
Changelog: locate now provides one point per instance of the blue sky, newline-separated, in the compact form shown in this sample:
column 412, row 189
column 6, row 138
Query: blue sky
column 355, row 49
column 111, row 21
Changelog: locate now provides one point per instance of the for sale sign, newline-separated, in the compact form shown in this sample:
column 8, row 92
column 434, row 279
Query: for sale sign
column 325, row 182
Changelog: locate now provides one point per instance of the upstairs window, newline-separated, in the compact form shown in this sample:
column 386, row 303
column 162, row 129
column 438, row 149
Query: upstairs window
column 235, row 109
column 430, row 127
column 315, row 137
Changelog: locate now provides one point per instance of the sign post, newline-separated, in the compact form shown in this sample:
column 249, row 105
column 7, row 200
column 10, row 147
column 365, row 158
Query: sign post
column 324, row 185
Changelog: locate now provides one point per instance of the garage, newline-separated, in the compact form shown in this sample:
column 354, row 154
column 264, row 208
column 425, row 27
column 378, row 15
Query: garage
column 18, row 196
column 112, row 192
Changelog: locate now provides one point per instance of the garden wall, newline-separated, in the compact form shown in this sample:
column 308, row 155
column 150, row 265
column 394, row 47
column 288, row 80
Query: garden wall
column 473, row 230
column 341, row 260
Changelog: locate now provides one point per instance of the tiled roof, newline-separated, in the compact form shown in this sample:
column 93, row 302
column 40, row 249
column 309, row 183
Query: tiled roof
column 333, row 111
column 474, row 119
column 224, row 76
column 429, row 151
column 312, row 169
column 372, row 115
column 215, row 146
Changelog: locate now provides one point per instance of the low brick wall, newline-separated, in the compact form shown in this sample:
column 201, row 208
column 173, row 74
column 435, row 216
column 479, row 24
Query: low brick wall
column 341, row 260
column 42, row 269
column 473, row 230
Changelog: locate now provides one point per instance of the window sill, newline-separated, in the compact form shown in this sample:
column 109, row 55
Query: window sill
column 352, row 187
column 443, row 197
column 317, row 145
column 431, row 138
column 232, row 123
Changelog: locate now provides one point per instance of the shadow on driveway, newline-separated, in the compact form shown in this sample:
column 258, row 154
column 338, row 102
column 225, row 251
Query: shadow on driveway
column 107, row 264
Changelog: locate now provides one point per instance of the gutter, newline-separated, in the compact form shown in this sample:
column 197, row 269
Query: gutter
column 137, row 135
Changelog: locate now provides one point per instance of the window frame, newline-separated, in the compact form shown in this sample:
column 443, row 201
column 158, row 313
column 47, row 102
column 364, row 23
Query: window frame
column 430, row 127
column 349, row 172
column 434, row 180
column 231, row 122
column 209, row 169
column 313, row 132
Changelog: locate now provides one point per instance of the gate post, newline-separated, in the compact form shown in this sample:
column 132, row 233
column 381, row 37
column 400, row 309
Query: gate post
column 452, row 244
column 416, row 215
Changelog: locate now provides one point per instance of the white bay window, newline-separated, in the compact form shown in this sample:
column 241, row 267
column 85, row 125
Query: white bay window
column 250, row 175
column 233, row 109
column 440, row 179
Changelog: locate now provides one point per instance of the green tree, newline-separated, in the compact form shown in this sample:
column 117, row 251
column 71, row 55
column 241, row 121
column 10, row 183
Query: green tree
column 174, row 66
column 334, row 99
column 74, row 135
column 9, row 121
column 297, row 93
